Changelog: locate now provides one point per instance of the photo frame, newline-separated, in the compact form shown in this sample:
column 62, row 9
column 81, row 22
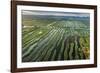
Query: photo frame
column 52, row 36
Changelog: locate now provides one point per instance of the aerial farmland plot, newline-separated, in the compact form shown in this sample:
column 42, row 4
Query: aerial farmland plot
column 55, row 36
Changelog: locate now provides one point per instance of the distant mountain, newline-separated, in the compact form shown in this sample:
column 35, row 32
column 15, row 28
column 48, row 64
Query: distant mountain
column 54, row 17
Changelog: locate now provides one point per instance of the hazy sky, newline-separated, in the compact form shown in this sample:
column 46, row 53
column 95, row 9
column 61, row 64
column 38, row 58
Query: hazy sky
column 27, row 12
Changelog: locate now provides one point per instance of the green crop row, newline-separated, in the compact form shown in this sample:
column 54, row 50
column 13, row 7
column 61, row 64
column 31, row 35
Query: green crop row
column 58, row 40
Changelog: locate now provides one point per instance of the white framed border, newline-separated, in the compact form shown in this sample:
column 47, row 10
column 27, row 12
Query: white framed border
column 53, row 63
